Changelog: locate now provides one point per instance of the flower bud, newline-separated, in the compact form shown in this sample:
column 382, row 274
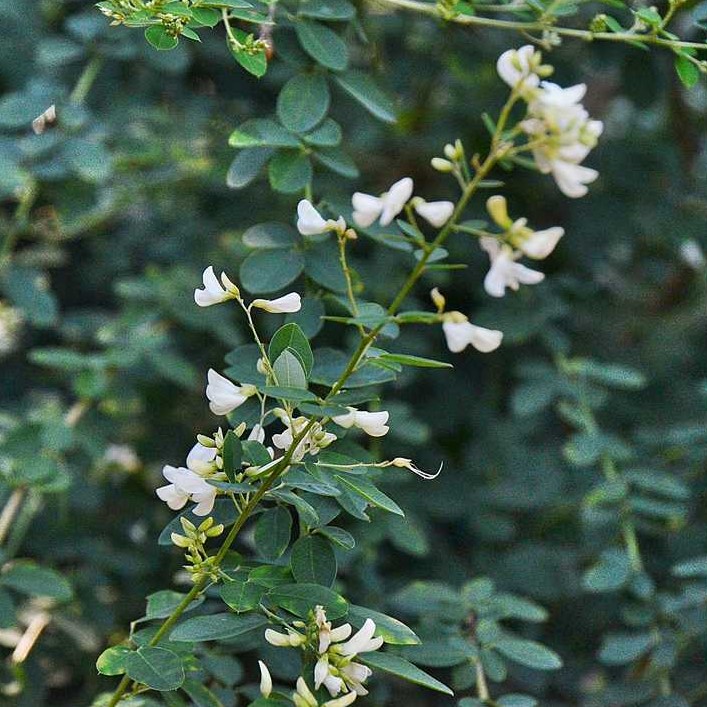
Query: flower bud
column 442, row 165
column 498, row 211
column 438, row 299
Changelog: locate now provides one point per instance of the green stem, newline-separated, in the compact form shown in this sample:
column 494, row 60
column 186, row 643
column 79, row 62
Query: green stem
column 536, row 26
column 86, row 80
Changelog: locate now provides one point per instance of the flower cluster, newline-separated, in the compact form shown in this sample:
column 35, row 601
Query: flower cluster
column 560, row 132
column 333, row 651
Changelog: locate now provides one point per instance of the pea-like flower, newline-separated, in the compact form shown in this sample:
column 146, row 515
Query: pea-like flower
column 225, row 396
column 311, row 223
column 265, row 680
column 186, row 485
column 202, row 460
column 368, row 208
column 519, row 68
column 288, row 303
column 372, row 423
column 436, row 213
column 214, row 291
column 303, row 697
column 505, row 271
column 460, row 333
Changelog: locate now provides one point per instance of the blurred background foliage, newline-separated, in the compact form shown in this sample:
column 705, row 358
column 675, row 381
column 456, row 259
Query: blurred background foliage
column 108, row 220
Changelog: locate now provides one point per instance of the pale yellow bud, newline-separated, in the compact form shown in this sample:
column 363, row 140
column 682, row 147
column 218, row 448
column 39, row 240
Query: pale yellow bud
column 180, row 540
column 442, row 165
column 438, row 299
column 498, row 211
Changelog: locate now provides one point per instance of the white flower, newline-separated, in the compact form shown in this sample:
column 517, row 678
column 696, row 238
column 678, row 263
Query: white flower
column 323, row 675
column 355, row 674
column 185, row 485
column 290, row 302
column 362, row 641
column 437, row 213
column 368, row 208
column 201, row 459
column 519, row 66
column 257, row 434
column 372, row 423
column 265, row 679
column 311, row 223
column 225, row 396
column 343, row 701
column 505, row 271
column 539, row 244
column 459, row 334
column 312, row 443
column 215, row 291
column 564, row 133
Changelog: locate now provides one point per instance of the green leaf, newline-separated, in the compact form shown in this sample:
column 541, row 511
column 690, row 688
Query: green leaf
column 624, row 648
column 289, row 372
column 290, row 336
column 333, row 10
column 215, row 627
column 393, row 631
column 246, row 166
column 339, row 536
column 313, row 561
column 232, row 454
column 611, row 572
column 395, row 665
column 161, row 604
column 289, row 171
column 206, row 16
column 529, row 653
column 29, row 578
column 283, row 393
column 323, row 44
column 335, row 159
column 364, row 89
column 262, row 133
column 200, row 695
column 158, row 668
column 158, row 37
column 254, row 63
column 242, row 596
column 28, row 289
column 514, row 700
column 300, row 599
column 112, row 660
column 371, row 493
column 272, row 532
column 696, row 567
column 268, row 271
column 303, row 102
column 272, row 235
column 327, row 134
column 417, row 361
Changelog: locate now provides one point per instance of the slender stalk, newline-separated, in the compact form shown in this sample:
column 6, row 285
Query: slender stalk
column 536, row 26
column 86, row 80
column 482, row 688
column 10, row 510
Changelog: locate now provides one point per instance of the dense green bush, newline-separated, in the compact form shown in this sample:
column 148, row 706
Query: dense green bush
column 561, row 553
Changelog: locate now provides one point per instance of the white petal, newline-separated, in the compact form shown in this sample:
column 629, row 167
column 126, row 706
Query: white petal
column 436, row 213
column 395, row 198
column 205, row 502
column 309, row 221
column 290, row 302
column 172, row 497
column 495, row 281
column 265, row 679
column 485, row 340
column 341, row 633
column 201, row 459
column 321, row 671
column 541, row 243
column 372, row 423
column 358, row 642
column 348, row 420
column 212, row 293
column 343, row 701
column 366, row 209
